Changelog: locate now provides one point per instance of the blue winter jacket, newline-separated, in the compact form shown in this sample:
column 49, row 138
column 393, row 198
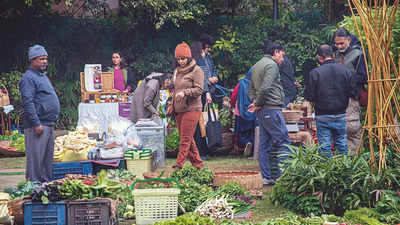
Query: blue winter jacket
column 39, row 99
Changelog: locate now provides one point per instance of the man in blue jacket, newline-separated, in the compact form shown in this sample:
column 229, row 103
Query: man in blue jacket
column 41, row 110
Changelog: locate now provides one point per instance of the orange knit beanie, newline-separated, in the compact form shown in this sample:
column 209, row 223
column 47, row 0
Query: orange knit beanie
column 183, row 50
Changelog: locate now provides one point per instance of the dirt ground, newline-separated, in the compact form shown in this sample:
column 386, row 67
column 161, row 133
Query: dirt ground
column 11, row 180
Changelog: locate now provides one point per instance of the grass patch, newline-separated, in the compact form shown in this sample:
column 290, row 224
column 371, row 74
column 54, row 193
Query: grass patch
column 13, row 163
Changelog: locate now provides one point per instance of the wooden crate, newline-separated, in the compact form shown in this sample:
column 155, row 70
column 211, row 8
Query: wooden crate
column 107, row 80
column 85, row 94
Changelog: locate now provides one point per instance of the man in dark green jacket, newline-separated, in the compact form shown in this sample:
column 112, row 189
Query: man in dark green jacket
column 267, row 95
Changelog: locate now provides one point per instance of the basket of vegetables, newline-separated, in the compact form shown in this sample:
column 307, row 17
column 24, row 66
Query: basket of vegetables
column 154, row 200
column 13, row 145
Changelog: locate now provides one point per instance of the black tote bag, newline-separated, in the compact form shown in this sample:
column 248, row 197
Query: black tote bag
column 214, row 130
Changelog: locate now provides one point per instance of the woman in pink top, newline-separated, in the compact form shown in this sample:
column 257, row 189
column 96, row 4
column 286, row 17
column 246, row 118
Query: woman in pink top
column 122, row 76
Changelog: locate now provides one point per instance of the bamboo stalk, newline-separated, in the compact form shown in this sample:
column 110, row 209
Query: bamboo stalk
column 377, row 19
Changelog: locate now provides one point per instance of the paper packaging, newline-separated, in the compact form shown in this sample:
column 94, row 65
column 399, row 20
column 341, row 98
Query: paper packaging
column 93, row 77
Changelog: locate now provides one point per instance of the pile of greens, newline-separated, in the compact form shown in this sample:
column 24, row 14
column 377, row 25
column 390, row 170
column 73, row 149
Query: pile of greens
column 23, row 189
column 196, row 189
column 191, row 173
column 193, row 194
column 102, row 188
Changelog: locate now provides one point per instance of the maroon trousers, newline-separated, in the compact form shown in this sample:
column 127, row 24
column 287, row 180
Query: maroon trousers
column 187, row 122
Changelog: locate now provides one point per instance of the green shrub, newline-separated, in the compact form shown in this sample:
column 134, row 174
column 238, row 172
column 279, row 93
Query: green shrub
column 311, row 183
column 388, row 207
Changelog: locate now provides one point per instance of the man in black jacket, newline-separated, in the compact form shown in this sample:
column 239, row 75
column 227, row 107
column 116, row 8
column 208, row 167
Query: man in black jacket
column 329, row 88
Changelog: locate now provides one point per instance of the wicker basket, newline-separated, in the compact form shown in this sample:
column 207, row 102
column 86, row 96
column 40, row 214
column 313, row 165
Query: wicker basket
column 107, row 80
column 153, row 205
column 8, row 151
column 16, row 209
column 292, row 116
column 251, row 180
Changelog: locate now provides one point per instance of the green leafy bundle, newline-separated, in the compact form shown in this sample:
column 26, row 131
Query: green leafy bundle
column 23, row 189
column 191, row 173
column 193, row 194
column 102, row 188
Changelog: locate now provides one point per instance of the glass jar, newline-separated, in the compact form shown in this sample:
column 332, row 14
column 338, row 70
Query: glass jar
column 108, row 98
column 115, row 98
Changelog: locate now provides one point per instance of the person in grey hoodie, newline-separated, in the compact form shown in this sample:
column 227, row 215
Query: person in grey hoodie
column 41, row 110
column 147, row 95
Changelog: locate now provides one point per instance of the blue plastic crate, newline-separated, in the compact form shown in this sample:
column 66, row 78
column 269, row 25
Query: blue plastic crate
column 53, row 213
column 63, row 168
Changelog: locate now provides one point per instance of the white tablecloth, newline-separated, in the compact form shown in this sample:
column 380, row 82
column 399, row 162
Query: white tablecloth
column 95, row 117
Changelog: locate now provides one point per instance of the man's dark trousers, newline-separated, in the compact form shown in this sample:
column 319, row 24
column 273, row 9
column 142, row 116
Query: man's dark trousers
column 273, row 131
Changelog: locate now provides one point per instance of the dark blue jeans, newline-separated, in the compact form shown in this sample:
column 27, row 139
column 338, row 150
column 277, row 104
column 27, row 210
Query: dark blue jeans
column 273, row 131
column 332, row 127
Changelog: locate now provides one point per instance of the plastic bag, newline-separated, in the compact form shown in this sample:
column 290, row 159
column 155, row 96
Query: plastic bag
column 132, row 138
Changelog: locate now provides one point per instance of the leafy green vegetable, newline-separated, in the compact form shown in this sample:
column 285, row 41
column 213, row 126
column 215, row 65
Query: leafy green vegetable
column 191, row 173
column 103, row 188
column 193, row 194
column 231, row 189
column 23, row 189
column 120, row 175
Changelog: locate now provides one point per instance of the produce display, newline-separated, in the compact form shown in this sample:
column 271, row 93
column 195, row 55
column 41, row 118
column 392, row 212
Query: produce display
column 103, row 187
column 196, row 190
column 73, row 147
column 23, row 189
column 16, row 141
column 46, row 193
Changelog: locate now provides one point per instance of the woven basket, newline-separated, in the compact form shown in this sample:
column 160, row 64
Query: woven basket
column 8, row 151
column 107, row 80
column 16, row 209
column 292, row 116
column 251, row 180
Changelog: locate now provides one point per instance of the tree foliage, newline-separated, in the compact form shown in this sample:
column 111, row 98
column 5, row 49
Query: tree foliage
column 159, row 12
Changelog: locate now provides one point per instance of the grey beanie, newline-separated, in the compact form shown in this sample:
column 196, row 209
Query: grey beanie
column 36, row 51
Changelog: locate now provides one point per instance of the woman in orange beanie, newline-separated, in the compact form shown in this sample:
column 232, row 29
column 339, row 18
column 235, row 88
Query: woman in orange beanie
column 189, row 84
